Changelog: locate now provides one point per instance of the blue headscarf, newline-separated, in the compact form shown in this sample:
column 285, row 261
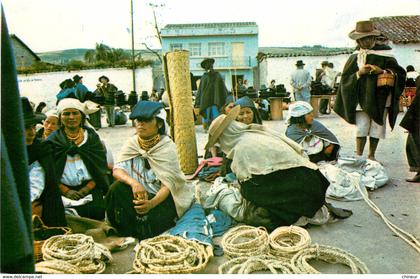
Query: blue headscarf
column 246, row 102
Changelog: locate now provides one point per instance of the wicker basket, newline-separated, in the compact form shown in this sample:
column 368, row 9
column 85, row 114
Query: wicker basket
column 41, row 232
column 385, row 79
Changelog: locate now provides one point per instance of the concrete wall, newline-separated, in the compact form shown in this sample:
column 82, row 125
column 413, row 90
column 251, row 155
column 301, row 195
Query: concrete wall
column 23, row 57
column 45, row 86
column 280, row 68
column 408, row 54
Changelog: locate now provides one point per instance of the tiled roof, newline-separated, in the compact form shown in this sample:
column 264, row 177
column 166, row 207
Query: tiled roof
column 211, row 25
column 399, row 29
column 301, row 51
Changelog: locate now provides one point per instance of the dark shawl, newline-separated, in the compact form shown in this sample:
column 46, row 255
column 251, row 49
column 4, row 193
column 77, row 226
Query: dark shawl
column 297, row 134
column 52, row 205
column 212, row 91
column 364, row 91
column 16, row 222
column 92, row 153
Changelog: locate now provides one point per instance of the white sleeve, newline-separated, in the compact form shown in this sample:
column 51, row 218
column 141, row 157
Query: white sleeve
column 36, row 180
column 124, row 165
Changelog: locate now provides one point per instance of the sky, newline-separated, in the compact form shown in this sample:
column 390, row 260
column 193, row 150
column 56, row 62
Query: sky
column 48, row 25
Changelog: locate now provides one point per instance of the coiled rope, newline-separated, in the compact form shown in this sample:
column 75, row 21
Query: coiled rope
column 79, row 250
column 166, row 254
column 245, row 241
column 56, row 267
column 407, row 237
column 247, row 265
column 286, row 241
column 328, row 254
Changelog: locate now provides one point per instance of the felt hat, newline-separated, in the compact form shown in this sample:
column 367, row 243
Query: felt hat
column 324, row 63
column 29, row 116
column 145, row 110
column 105, row 77
column 206, row 63
column 364, row 29
column 77, row 78
column 300, row 63
column 219, row 125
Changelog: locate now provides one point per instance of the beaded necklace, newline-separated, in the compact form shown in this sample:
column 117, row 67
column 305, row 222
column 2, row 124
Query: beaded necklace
column 147, row 144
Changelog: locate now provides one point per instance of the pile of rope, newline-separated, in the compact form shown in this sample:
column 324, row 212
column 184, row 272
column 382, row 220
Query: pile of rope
column 166, row 254
column 79, row 252
column 286, row 249
column 327, row 254
column 245, row 241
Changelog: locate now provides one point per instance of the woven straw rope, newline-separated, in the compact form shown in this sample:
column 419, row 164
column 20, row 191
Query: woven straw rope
column 286, row 241
column 328, row 254
column 247, row 265
column 79, row 250
column 56, row 267
column 166, row 254
column 245, row 241
column 182, row 109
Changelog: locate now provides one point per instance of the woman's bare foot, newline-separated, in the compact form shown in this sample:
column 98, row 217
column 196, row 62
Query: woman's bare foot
column 415, row 179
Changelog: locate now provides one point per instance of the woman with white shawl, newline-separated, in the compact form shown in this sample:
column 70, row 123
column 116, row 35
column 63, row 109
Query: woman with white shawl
column 150, row 192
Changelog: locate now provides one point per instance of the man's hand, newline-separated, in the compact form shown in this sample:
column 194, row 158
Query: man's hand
column 143, row 206
column 73, row 195
column 139, row 192
column 364, row 70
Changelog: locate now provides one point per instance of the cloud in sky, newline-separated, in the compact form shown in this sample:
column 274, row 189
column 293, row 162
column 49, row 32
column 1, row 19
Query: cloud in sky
column 47, row 25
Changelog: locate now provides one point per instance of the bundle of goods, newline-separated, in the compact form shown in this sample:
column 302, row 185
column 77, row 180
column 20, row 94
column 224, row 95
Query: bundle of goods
column 286, row 250
column 166, row 254
column 317, row 88
column 79, row 253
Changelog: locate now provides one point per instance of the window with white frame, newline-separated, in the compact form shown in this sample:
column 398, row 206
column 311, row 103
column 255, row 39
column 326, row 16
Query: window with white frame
column 216, row 49
column 175, row 47
column 195, row 49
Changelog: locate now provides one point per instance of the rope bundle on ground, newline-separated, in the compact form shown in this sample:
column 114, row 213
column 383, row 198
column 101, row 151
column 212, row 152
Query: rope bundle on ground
column 56, row 267
column 167, row 254
column 328, row 254
column 286, row 241
column 245, row 241
column 290, row 247
column 247, row 265
column 77, row 249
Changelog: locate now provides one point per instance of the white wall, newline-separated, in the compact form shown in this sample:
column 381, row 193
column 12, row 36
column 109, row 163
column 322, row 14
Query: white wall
column 280, row 68
column 45, row 86
column 407, row 55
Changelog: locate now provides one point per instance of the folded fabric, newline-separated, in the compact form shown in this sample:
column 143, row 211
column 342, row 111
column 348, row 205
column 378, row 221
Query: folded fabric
column 194, row 225
column 72, row 203
column 210, row 162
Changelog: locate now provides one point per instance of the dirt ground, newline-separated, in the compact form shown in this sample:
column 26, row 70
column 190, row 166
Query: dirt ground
column 364, row 234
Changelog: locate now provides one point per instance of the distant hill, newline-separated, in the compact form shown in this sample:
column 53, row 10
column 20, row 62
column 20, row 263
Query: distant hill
column 64, row 56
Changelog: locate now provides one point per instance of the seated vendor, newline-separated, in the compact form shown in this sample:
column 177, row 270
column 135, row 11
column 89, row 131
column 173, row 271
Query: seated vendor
column 272, row 170
column 319, row 143
column 81, row 163
column 45, row 196
column 248, row 113
column 150, row 192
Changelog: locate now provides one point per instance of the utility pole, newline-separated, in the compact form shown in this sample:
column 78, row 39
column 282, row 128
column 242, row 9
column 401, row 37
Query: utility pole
column 132, row 49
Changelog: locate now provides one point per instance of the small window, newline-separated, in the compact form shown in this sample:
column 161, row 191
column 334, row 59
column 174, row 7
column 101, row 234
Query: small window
column 195, row 49
column 176, row 47
column 216, row 49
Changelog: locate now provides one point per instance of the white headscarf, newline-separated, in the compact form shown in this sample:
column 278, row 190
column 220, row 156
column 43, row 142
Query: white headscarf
column 68, row 103
column 255, row 150
column 298, row 109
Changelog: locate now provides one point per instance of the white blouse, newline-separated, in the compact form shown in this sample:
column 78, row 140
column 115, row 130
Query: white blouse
column 136, row 169
column 36, row 180
column 75, row 171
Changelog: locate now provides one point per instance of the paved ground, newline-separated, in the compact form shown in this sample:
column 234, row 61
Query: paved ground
column 364, row 234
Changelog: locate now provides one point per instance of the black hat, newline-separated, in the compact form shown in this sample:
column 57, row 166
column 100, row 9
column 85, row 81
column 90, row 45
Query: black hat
column 77, row 78
column 324, row 63
column 300, row 63
column 105, row 77
column 145, row 110
column 30, row 118
column 206, row 63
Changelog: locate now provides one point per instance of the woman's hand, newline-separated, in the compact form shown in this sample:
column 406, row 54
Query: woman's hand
column 143, row 206
column 139, row 192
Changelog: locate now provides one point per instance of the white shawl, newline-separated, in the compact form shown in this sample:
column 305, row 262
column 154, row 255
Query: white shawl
column 163, row 161
column 255, row 150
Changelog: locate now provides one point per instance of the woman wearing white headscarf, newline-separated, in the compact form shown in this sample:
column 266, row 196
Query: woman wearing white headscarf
column 272, row 170
column 319, row 143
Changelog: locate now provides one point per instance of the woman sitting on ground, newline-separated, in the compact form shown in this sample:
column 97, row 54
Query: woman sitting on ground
column 249, row 113
column 272, row 170
column 50, row 125
column 80, row 160
column 319, row 143
column 150, row 191
column 45, row 196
